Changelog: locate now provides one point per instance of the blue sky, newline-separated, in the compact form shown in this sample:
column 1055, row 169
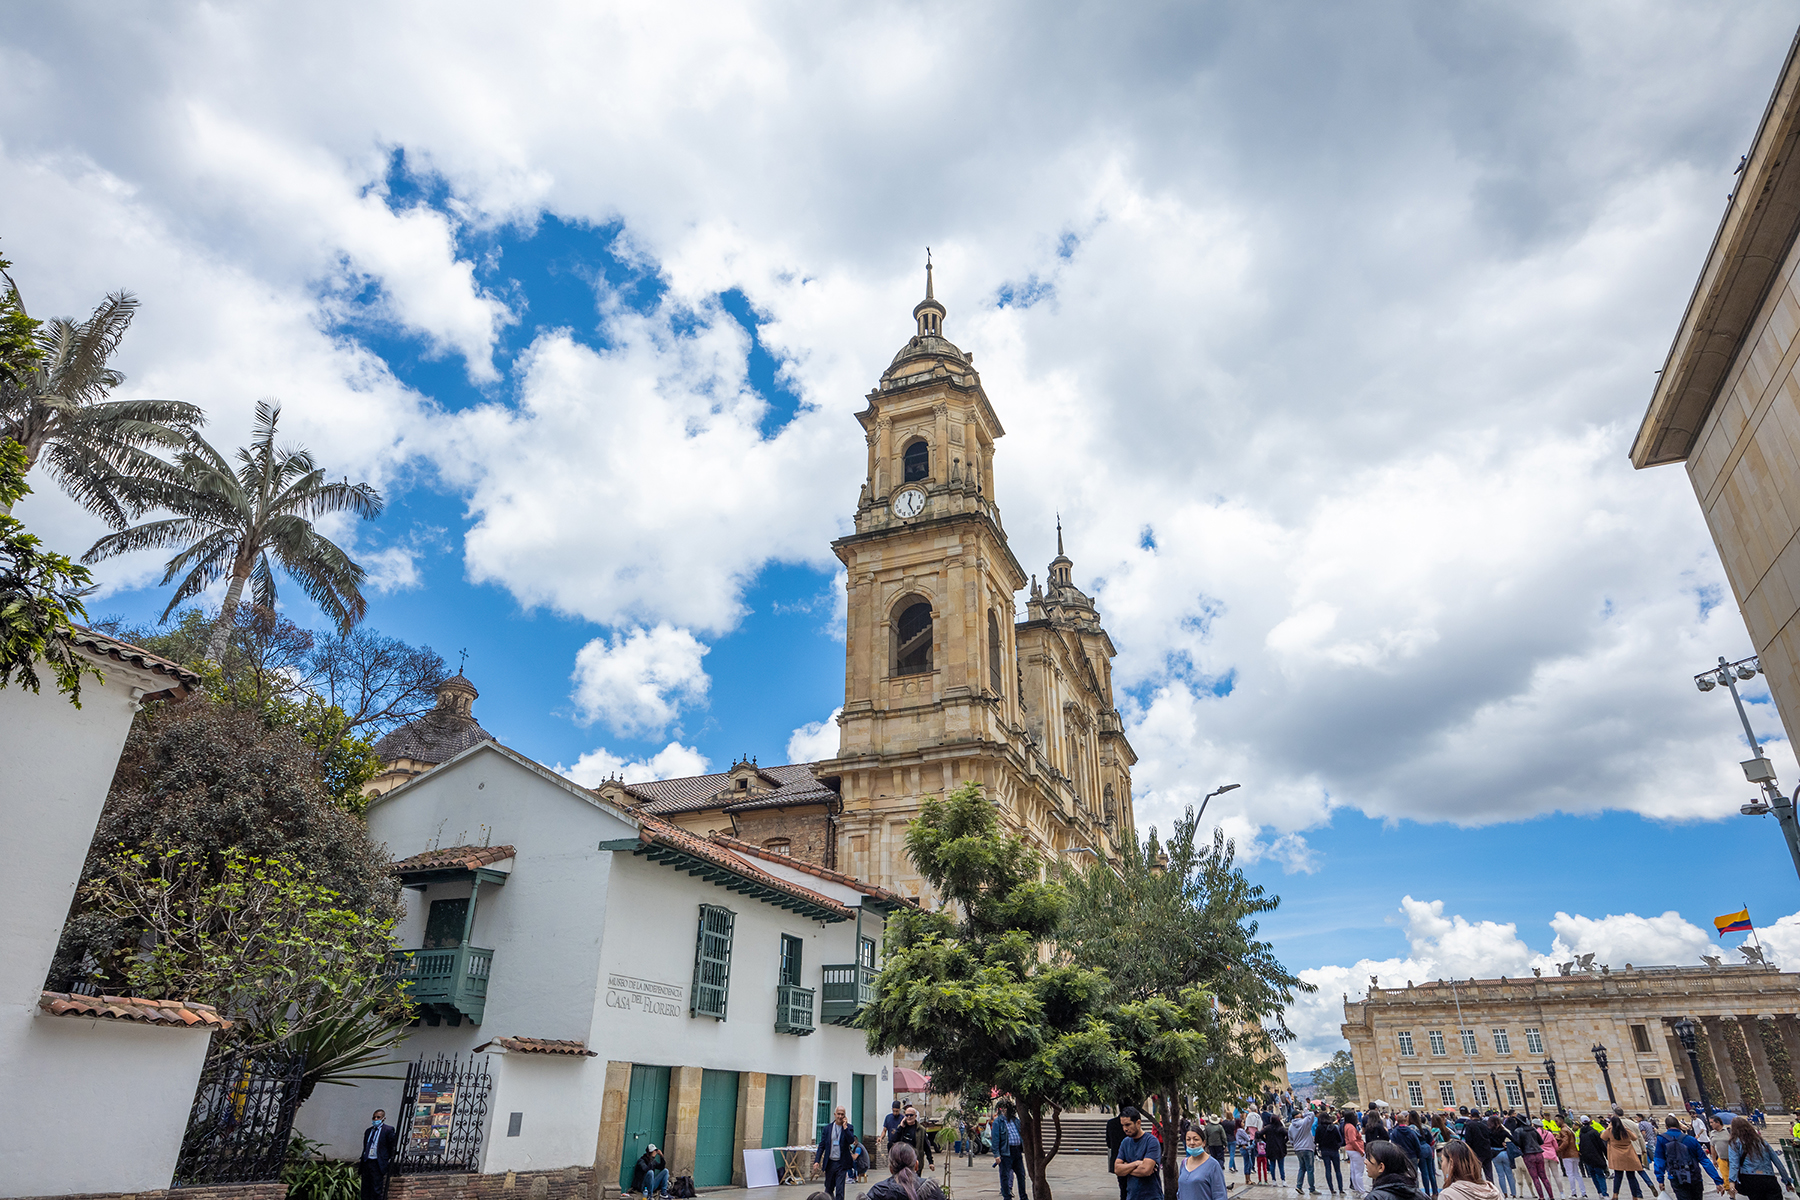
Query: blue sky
column 1325, row 336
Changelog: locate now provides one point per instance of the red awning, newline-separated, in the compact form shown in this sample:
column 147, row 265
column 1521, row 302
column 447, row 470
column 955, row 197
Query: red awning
column 908, row 1080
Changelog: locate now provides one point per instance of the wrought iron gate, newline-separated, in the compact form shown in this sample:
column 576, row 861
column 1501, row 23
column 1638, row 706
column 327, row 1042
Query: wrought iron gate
column 443, row 1115
column 242, row 1118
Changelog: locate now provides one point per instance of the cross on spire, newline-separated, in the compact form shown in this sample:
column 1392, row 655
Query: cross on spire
column 464, row 662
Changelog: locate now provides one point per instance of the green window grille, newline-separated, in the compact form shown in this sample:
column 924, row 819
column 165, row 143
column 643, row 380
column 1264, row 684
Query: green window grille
column 790, row 960
column 712, row 962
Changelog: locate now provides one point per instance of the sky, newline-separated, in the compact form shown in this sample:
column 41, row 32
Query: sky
column 1325, row 329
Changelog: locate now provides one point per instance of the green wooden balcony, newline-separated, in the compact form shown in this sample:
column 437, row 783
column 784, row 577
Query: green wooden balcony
column 793, row 1009
column 848, row 989
column 448, row 983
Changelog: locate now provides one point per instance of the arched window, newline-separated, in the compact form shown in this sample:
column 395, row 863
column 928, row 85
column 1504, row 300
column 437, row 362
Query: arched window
column 912, row 639
column 995, row 675
column 916, row 462
column 779, row 846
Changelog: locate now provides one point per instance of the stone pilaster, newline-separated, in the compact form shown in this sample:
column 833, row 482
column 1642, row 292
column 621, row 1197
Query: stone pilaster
column 752, row 1091
column 609, row 1148
column 683, row 1131
column 1759, row 1061
column 1714, row 1038
column 800, row 1110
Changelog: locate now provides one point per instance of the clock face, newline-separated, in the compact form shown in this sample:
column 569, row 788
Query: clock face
column 909, row 504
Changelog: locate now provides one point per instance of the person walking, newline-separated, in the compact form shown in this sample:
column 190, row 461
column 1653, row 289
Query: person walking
column 1328, row 1137
column 1475, row 1137
column 1229, row 1124
column 1624, row 1156
column 837, row 1152
column 1140, row 1158
column 1592, row 1151
column 1500, row 1137
column 1244, row 1145
column 379, row 1142
column 1009, row 1150
column 890, row 1123
column 1275, row 1137
column 1300, row 1137
column 1464, row 1176
column 1215, row 1140
column 1354, row 1147
column 1529, row 1145
column 1718, row 1138
column 1753, row 1165
column 903, row 1182
column 913, row 1134
column 1681, row 1156
column 1568, row 1152
column 1390, row 1174
column 1202, row 1175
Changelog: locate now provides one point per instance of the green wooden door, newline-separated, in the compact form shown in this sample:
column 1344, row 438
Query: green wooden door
column 646, row 1117
column 827, row 1109
column 859, row 1086
column 778, row 1100
column 716, row 1145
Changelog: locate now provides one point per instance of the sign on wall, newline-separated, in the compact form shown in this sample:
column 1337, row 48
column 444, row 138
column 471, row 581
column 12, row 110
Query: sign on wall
column 432, row 1113
column 646, row 996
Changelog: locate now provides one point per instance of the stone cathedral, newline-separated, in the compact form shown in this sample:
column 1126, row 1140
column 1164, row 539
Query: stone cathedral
column 942, row 682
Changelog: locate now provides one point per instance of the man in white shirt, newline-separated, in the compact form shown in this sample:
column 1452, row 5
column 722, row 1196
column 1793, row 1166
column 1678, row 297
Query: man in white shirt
column 378, row 1143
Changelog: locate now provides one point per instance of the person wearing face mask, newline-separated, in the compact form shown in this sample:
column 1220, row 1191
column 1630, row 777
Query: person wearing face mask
column 1201, row 1176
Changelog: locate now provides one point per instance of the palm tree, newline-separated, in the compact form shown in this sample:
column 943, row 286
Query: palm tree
column 227, row 524
column 55, row 406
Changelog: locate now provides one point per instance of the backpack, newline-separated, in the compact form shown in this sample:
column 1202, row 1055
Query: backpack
column 682, row 1188
column 1680, row 1161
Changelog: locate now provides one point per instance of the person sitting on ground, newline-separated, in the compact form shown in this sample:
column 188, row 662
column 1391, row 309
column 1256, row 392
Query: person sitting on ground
column 1465, row 1178
column 903, row 1181
column 1391, row 1175
column 653, row 1172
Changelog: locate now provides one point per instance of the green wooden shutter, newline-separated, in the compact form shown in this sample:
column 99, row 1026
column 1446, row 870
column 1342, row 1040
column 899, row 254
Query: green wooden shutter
column 712, row 962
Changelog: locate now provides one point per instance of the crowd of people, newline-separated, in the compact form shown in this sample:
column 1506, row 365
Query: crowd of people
column 1465, row 1155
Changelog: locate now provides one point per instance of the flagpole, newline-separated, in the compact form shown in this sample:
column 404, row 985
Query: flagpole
column 1753, row 938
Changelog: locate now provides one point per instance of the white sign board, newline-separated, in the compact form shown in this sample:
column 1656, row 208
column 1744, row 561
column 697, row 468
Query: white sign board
column 760, row 1169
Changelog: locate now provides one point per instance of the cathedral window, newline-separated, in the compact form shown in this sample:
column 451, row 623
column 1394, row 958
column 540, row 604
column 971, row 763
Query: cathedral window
column 916, row 462
column 912, row 639
column 994, row 654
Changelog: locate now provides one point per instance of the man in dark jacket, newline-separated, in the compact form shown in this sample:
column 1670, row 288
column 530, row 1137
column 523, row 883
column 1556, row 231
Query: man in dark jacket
column 378, row 1144
column 913, row 1134
column 836, row 1153
column 1275, row 1137
column 652, row 1173
column 1593, row 1155
column 1475, row 1136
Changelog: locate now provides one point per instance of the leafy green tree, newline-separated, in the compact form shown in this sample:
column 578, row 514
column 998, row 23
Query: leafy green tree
column 18, row 332
column 214, row 778
column 1335, row 1078
column 974, row 992
column 55, row 404
column 40, row 591
column 238, row 525
column 280, row 955
column 1176, row 924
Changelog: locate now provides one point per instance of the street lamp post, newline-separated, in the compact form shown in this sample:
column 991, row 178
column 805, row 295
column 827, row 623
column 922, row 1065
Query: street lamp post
column 1600, row 1057
column 1555, row 1092
column 1524, row 1096
column 1757, row 769
column 1218, row 791
column 1684, row 1029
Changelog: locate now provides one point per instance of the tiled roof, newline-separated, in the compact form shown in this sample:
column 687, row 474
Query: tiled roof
column 455, row 858
column 524, row 1045
column 181, row 680
column 174, row 1013
column 437, row 737
column 655, row 830
column 798, row 785
column 800, row 864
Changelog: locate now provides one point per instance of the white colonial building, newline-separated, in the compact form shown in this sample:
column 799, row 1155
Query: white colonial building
column 623, row 981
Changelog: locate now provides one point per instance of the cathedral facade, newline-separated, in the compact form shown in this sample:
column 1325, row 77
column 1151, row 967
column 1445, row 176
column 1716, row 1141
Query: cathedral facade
column 943, row 682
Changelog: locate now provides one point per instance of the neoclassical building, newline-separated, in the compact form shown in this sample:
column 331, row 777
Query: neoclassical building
column 1492, row 1042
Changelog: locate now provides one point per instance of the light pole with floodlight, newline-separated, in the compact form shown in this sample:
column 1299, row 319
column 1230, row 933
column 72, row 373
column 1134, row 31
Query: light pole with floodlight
column 1600, row 1057
column 1757, row 769
column 1684, row 1029
column 1218, row 791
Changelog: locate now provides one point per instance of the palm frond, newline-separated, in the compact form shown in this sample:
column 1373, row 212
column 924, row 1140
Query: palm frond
column 153, row 535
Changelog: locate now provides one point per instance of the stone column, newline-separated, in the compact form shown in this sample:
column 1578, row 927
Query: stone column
column 1759, row 1062
column 609, row 1147
column 940, row 467
column 1721, row 1053
column 683, row 1132
column 884, row 450
column 800, row 1110
column 752, row 1092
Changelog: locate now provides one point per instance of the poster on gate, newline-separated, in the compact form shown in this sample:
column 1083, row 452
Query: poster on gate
column 429, row 1129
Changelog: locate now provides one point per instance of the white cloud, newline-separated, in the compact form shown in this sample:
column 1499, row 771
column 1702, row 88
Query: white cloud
column 671, row 762
column 815, row 739
column 638, row 682
column 1452, row 947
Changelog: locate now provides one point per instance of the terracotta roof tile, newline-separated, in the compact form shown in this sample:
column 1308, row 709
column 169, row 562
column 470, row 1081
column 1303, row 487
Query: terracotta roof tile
column 175, row 1013
column 800, row 864
column 437, row 737
column 525, row 1045
column 655, row 829
column 797, row 785
column 453, row 858
column 181, row 680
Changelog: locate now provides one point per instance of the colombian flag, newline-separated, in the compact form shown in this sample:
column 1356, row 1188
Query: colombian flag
column 1737, row 922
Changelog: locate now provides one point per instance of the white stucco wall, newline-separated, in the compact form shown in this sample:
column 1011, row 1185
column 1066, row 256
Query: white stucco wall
column 58, row 763
column 91, row 1105
column 570, row 915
